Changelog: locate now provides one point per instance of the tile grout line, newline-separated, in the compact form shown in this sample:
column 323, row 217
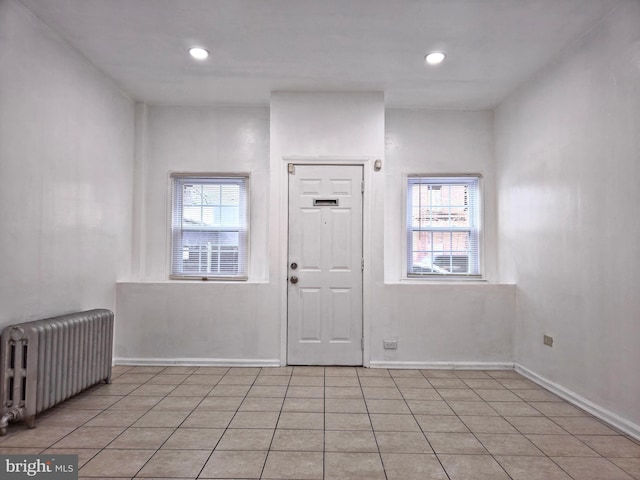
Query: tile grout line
column 529, row 403
column 174, row 430
column 375, row 439
column 230, row 420
column 474, row 433
column 185, row 419
column 101, row 412
column 455, row 413
column 164, row 397
column 324, row 422
column 85, row 395
column 275, row 427
column 424, row 434
column 542, row 415
column 559, row 426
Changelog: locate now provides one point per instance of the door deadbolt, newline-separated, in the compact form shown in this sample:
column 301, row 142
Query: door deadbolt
column 294, row 279
column 294, row 265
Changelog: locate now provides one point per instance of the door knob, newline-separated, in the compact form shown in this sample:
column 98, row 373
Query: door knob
column 294, row 279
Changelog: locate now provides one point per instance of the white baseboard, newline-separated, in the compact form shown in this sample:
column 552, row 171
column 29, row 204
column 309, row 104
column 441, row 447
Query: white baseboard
column 199, row 362
column 443, row 365
column 603, row 414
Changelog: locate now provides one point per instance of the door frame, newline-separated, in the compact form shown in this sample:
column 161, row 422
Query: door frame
column 367, row 219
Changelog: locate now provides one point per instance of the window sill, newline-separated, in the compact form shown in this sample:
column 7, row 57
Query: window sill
column 188, row 281
column 194, row 278
column 440, row 281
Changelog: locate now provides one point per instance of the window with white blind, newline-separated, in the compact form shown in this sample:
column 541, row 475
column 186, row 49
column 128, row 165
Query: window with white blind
column 209, row 227
column 443, row 226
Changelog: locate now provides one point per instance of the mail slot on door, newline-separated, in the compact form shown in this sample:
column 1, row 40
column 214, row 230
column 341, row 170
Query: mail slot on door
column 325, row 202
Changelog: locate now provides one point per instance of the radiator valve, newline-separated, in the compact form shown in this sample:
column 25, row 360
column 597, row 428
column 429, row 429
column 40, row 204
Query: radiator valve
column 10, row 415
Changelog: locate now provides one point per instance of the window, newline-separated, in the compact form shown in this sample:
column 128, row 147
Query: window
column 443, row 226
column 209, row 227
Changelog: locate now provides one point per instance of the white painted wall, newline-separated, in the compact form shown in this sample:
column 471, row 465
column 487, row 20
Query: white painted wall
column 332, row 128
column 204, row 322
column 567, row 150
column 197, row 322
column 228, row 322
column 202, row 139
column 66, row 151
column 436, row 322
column 452, row 323
column 568, row 163
column 436, row 143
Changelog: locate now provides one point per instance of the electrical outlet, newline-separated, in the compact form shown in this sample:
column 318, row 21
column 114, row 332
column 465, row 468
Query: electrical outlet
column 390, row 344
column 548, row 341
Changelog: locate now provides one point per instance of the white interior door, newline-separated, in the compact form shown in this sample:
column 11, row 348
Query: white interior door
column 325, row 265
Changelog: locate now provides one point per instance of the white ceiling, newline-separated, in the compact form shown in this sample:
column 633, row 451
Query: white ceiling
column 260, row 46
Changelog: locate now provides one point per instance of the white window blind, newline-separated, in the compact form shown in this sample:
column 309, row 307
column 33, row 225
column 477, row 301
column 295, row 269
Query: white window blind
column 443, row 226
column 209, row 227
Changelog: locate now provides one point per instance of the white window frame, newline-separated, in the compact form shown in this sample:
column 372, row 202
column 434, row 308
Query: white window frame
column 177, row 181
column 476, row 261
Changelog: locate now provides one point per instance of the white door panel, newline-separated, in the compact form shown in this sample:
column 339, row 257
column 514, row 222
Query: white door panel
column 325, row 241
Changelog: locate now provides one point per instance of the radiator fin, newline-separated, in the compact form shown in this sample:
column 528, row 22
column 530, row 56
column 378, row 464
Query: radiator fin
column 47, row 361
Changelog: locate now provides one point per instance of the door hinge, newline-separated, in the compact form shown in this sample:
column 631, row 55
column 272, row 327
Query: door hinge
column 362, row 186
column 362, row 343
column 362, row 264
column 292, row 169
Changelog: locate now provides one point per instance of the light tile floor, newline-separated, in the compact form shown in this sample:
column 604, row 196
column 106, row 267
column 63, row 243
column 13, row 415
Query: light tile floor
column 328, row 423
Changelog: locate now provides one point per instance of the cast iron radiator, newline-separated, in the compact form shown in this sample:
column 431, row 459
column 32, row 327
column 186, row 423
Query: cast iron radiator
column 47, row 361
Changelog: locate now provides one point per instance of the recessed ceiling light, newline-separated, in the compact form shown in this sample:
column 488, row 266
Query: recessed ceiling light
column 199, row 53
column 434, row 58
